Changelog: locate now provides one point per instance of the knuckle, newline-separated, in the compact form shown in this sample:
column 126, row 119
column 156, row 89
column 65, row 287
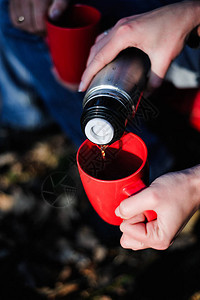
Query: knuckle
column 130, row 243
column 121, row 21
column 140, row 245
column 155, row 198
column 123, row 29
column 99, row 58
column 162, row 245
column 93, row 49
column 157, row 238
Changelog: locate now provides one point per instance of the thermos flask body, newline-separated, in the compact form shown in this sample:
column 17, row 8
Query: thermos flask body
column 113, row 95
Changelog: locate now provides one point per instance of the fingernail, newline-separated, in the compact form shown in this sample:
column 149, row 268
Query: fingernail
column 117, row 212
column 54, row 14
column 80, row 88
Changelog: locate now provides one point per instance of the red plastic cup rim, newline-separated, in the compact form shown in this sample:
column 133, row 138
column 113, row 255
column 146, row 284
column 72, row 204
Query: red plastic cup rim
column 48, row 22
column 116, row 180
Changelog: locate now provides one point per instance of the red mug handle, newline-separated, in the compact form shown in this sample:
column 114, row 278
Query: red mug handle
column 131, row 190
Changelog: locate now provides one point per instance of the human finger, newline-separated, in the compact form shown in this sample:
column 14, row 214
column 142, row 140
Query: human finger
column 28, row 15
column 39, row 10
column 134, row 236
column 147, row 235
column 57, row 8
column 100, row 42
column 96, row 48
column 128, row 243
column 159, row 66
column 20, row 14
column 102, row 35
column 102, row 54
column 99, row 37
column 137, row 204
column 135, row 219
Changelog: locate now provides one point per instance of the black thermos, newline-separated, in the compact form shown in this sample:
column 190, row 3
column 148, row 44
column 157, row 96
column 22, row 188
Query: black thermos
column 113, row 96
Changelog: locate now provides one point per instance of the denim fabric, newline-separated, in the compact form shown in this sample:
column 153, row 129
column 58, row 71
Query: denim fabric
column 19, row 107
column 26, row 78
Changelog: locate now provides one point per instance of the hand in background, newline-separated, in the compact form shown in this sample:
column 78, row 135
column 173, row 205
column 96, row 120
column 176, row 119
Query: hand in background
column 160, row 33
column 34, row 12
column 174, row 197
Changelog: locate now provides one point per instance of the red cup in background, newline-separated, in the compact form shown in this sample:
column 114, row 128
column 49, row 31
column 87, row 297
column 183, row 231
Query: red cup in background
column 70, row 39
column 123, row 173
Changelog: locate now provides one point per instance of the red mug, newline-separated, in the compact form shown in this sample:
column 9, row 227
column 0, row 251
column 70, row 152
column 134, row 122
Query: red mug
column 123, row 173
column 70, row 40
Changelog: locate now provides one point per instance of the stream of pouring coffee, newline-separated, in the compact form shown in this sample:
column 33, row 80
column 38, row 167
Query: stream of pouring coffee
column 103, row 148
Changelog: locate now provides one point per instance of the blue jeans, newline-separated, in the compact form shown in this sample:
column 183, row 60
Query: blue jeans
column 28, row 87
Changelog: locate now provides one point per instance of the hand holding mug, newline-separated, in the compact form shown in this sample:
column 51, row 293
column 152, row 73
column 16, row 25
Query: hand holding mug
column 70, row 38
column 30, row 15
column 174, row 196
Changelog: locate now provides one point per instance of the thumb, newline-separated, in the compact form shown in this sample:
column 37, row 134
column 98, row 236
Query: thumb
column 159, row 66
column 136, row 204
column 57, row 8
